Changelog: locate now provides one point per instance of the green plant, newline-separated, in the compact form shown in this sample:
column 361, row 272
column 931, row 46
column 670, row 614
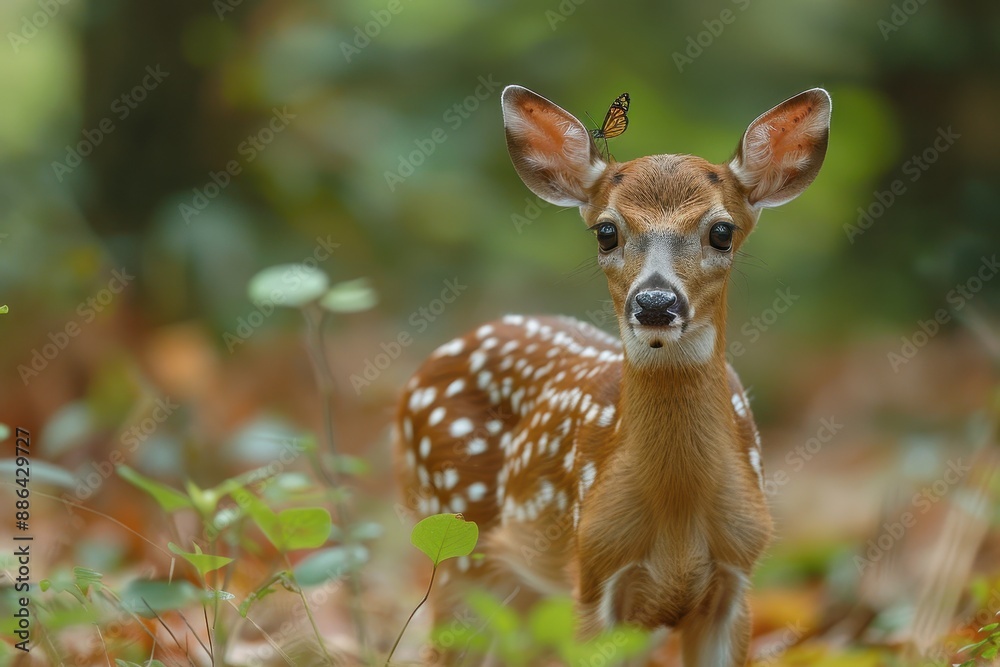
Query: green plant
column 549, row 630
column 440, row 536
column 987, row 648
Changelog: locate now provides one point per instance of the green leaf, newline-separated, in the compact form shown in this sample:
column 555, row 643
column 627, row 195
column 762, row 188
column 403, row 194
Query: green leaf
column 502, row 620
column 4, row 310
column 973, row 647
column 202, row 562
column 292, row 285
column 159, row 595
column 296, row 528
column 552, row 622
column 127, row 663
column 351, row 296
column 169, row 499
column 304, row 527
column 989, row 628
column 331, row 563
column 444, row 536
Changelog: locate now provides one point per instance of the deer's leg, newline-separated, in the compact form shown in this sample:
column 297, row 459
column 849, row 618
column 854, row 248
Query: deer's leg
column 718, row 633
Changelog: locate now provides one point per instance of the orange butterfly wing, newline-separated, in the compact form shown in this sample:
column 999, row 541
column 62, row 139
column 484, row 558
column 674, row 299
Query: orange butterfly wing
column 616, row 121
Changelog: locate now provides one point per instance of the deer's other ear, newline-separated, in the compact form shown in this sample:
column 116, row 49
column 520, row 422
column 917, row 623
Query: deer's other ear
column 551, row 150
column 781, row 152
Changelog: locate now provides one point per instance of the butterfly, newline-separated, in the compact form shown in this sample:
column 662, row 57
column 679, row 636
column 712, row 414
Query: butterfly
column 615, row 122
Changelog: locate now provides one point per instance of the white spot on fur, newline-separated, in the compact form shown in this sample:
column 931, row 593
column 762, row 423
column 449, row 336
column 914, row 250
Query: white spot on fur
column 475, row 447
column 460, row 427
column 740, row 405
column 755, row 464
column 450, row 349
column 455, row 387
column 476, row 491
column 587, row 476
column 425, row 447
column 607, row 414
column 477, row 360
column 437, row 414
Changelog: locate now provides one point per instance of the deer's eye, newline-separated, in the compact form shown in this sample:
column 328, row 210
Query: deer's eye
column 607, row 236
column 721, row 236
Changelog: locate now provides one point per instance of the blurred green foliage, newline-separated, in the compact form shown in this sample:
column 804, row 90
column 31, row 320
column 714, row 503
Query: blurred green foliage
column 300, row 109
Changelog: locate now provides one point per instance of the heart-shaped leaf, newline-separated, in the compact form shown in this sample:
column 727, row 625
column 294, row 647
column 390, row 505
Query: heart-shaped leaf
column 444, row 536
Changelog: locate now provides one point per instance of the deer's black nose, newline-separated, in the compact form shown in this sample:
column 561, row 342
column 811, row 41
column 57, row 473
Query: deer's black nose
column 655, row 307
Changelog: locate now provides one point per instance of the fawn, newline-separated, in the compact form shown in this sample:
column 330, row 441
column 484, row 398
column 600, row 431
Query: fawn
column 627, row 472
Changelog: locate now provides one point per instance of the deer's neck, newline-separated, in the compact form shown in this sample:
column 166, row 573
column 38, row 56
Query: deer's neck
column 675, row 433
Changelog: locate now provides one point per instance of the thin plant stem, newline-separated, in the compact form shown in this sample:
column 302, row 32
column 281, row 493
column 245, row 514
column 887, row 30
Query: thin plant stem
column 315, row 319
column 412, row 614
column 305, row 604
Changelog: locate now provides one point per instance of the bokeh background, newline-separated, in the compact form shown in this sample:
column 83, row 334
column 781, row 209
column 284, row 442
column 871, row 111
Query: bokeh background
column 119, row 121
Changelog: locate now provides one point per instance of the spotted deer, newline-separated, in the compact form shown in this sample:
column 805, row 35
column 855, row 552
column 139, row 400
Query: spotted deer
column 627, row 472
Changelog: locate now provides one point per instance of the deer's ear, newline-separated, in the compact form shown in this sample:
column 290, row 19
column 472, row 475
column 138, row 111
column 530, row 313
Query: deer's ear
column 552, row 151
column 781, row 152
